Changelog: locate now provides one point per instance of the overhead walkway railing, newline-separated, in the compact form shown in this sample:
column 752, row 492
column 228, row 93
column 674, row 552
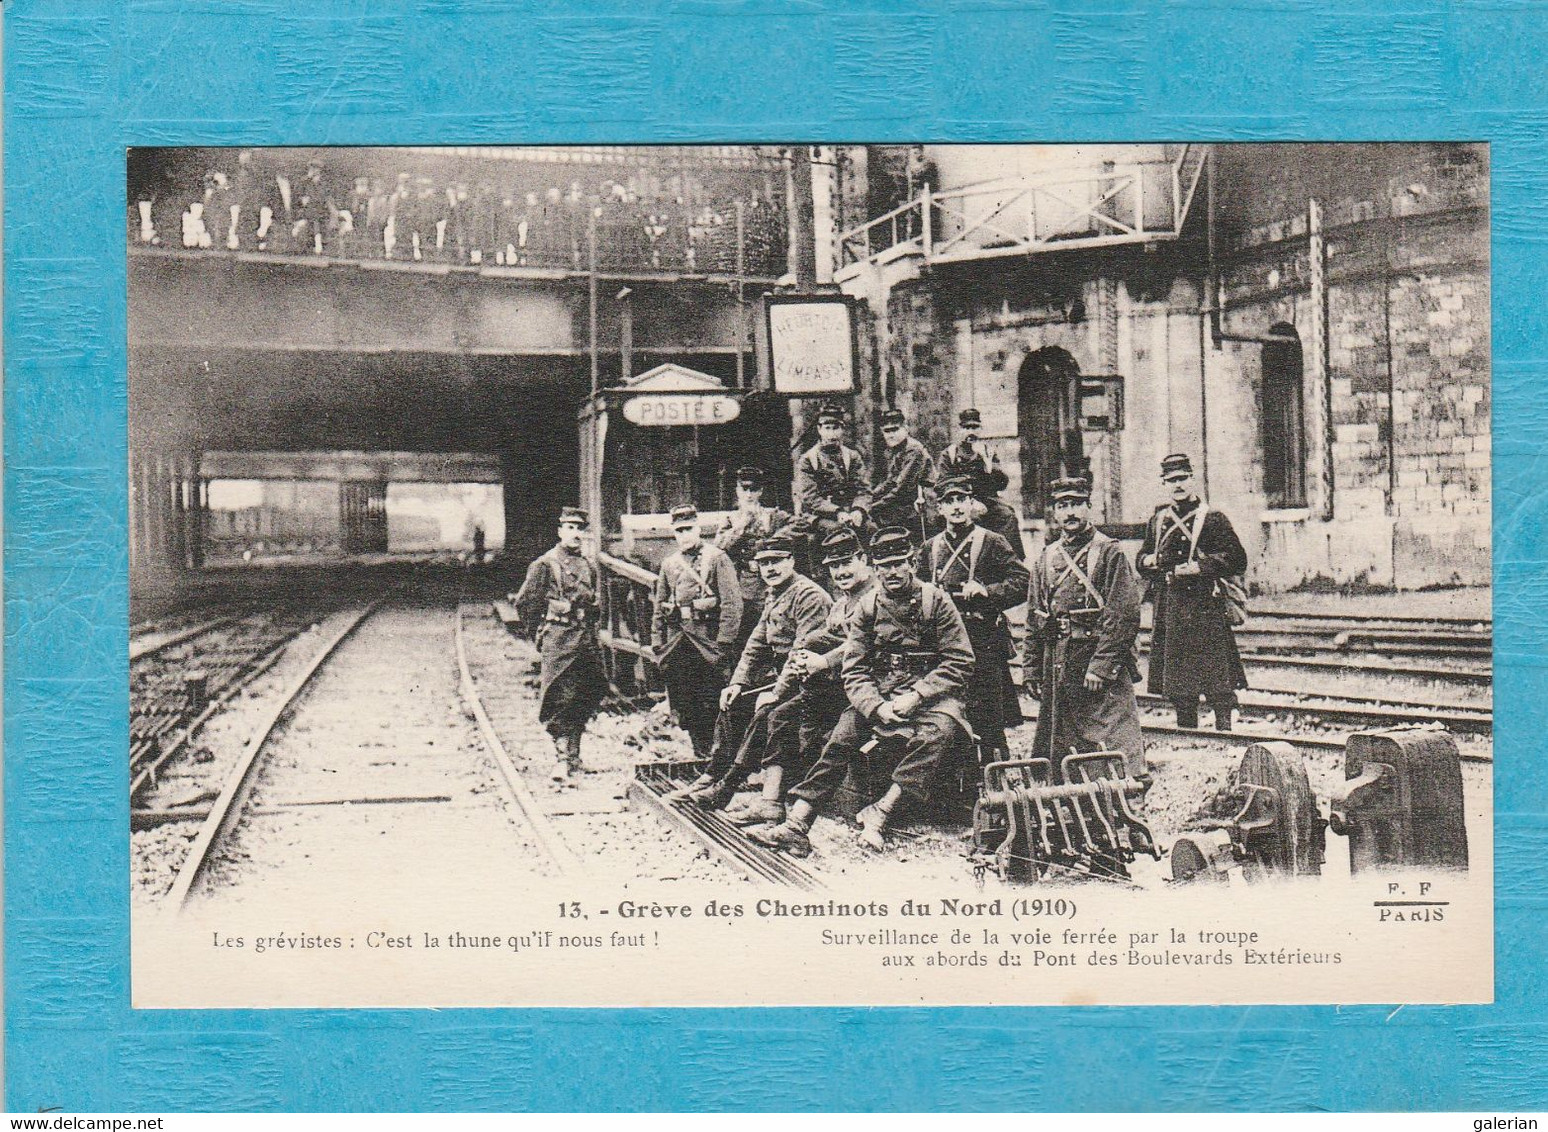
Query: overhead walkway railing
column 1114, row 204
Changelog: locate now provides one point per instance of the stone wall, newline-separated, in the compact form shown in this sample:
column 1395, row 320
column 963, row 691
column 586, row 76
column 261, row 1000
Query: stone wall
column 1405, row 440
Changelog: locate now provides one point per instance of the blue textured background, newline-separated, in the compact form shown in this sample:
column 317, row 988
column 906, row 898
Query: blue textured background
column 85, row 78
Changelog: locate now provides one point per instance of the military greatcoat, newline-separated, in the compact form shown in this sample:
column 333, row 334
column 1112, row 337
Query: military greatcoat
column 558, row 602
column 1192, row 649
column 1077, row 629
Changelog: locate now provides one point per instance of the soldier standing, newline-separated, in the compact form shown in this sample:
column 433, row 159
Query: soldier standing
column 740, row 535
column 907, row 663
column 698, row 612
column 809, row 695
column 1189, row 550
column 830, row 480
column 559, row 600
column 795, row 609
column 984, row 576
column 1083, row 609
column 968, row 457
column 897, row 498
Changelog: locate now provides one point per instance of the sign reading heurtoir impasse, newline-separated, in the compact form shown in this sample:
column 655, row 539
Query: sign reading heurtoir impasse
column 812, row 345
column 664, row 410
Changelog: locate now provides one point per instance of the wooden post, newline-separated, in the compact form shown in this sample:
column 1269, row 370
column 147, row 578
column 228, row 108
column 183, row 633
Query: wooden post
column 803, row 250
column 741, row 304
column 591, row 290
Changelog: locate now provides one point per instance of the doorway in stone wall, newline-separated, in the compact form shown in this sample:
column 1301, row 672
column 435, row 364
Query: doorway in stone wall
column 1047, row 401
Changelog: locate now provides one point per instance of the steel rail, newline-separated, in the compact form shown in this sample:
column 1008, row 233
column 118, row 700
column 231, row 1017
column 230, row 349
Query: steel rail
column 227, row 809
column 1241, row 738
column 1364, row 621
column 1469, row 723
column 141, row 652
column 266, row 661
column 725, row 841
column 543, row 830
column 1366, row 668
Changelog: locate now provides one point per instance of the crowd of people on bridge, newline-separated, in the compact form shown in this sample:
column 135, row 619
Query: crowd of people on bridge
column 256, row 203
column 892, row 664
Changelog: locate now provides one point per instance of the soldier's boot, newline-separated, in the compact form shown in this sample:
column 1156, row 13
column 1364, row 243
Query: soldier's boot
column 789, row 836
column 738, row 805
column 560, row 771
column 716, row 795
column 1187, row 713
column 873, row 819
column 1223, row 709
column 761, row 811
column 572, row 753
column 873, row 825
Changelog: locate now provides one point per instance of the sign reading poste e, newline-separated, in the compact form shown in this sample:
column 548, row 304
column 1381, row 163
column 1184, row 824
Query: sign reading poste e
column 812, row 345
column 663, row 410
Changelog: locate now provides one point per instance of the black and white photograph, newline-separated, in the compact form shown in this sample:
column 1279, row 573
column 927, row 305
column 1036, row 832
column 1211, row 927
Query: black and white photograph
column 863, row 574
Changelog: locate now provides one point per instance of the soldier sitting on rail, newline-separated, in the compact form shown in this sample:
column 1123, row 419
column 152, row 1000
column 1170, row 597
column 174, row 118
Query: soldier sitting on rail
column 984, row 576
column 809, row 695
column 558, row 602
column 698, row 612
column 831, row 489
column 907, row 663
column 795, row 609
column 739, row 536
column 1083, row 610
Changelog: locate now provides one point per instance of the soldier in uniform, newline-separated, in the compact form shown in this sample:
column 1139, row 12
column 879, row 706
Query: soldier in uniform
column 809, row 694
column 984, row 576
column 558, row 600
column 1189, row 548
column 740, row 535
column 1083, row 615
column 795, row 608
column 968, row 457
column 698, row 612
column 830, row 482
column 897, row 498
column 907, row 663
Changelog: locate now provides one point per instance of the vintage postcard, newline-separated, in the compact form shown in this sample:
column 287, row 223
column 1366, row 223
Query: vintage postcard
column 794, row 574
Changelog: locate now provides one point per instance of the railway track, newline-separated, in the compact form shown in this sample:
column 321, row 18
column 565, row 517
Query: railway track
column 1365, row 666
column 223, row 815
column 366, row 778
column 1362, row 715
column 149, row 640
column 1375, row 621
column 600, row 814
column 170, row 700
column 654, row 781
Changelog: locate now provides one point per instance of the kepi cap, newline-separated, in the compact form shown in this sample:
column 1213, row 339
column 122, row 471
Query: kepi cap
column 840, row 546
column 575, row 516
column 953, row 485
column 891, row 544
column 832, row 412
column 686, row 515
column 1176, row 462
column 749, row 476
column 1072, row 487
column 892, row 418
column 970, row 417
column 775, row 546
